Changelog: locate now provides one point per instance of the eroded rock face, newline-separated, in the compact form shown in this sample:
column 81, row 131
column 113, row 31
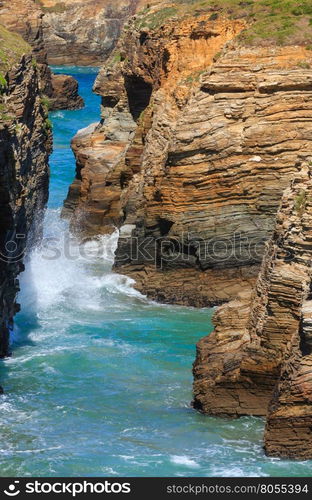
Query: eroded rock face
column 192, row 156
column 25, row 142
column 258, row 359
column 26, row 18
column 83, row 33
column 64, row 93
column 288, row 431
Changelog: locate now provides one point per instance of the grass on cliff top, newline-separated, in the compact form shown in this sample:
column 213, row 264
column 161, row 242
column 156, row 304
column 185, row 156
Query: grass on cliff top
column 58, row 8
column 12, row 47
column 269, row 21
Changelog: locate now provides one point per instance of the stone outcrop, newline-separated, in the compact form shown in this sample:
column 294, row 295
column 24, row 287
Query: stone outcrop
column 190, row 158
column 64, row 93
column 25, row 142
column 83, row 32
column 258, row 359
column 26, row 18
column 289, row 424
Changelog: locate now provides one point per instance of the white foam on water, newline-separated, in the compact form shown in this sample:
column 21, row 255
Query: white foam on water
column 230, row 471
column 42, row 353
column 58, row 114
column 110, row 470
column 64, row 272
column 183, row 460
column 40, row 450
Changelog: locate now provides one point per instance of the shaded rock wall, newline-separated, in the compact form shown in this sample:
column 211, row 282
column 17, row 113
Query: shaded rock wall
column 25, row 142
column 26, row 18
column 258, row 359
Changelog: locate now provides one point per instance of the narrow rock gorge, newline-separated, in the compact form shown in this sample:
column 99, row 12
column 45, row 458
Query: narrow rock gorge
column 25, row 143
column 205, row 123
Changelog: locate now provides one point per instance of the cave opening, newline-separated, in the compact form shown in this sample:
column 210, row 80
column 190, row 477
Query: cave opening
column 164, row 226
column 139, row 94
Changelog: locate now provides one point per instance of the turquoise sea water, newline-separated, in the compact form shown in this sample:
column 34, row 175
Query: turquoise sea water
column 99, row 383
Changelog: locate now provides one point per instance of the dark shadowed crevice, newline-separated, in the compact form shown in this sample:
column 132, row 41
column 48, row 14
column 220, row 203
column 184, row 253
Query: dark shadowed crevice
column 139, row 93
column 164, row 226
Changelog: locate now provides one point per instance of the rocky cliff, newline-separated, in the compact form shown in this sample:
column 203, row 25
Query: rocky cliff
column 26, row 18
column 190, row 158
column 258, row 360
column 25, row 142
column 83, row 33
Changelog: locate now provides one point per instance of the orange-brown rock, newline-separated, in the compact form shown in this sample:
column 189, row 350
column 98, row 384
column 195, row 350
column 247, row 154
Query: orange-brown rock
column 258, row 360
column 65, row 93
column 190, row 155
column 25, row 143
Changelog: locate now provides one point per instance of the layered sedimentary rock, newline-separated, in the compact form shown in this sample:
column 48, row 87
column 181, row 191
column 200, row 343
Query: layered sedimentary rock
column 26, row 18
column 258, row 360
column 64, row 93
column 25, row 142
column 83, row 32
column 191, row 157
column 289, row 425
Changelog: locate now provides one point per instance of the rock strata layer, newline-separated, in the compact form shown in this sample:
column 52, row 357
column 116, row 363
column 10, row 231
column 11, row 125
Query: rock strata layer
column 26, row 18
column 258, row 359
column 83, row 32
column 25, row 142
column 190, row 158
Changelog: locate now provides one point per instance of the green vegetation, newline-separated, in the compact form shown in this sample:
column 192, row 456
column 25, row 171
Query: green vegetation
column 155, row 19
column 268, row 21
column 45, row 102
column 59, row 7
column 217, row 56
column 4, row 116
column 12, row 48
column 300, row 202
column 3, row 83
column 117, row 57
column 47, row 125
column 194, row 77
column 18, row 128
column 303, row 65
